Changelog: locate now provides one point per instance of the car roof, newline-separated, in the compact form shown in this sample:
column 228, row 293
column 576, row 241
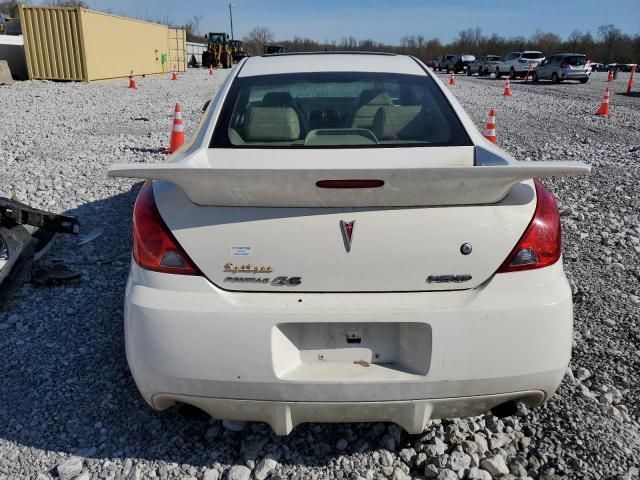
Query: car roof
column 330, row 62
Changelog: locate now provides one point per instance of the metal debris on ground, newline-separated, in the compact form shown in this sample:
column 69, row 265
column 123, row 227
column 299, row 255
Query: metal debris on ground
column 25, row 236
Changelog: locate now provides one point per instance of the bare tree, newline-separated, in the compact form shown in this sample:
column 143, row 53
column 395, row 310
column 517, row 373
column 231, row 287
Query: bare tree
column 610, row 35
column 257, row 38
column 195, row 20
column 10, row 8
column 192, row 28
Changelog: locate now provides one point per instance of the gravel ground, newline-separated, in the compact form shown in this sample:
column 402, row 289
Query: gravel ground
column 69, row 408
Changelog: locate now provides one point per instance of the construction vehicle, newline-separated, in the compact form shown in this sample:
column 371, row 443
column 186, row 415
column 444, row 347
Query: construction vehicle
column 218, row 52
column 237, row 51
column 271, row 49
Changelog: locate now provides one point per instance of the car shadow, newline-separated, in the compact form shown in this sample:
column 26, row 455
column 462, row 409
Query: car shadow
column 631, row 94
column 66, row 386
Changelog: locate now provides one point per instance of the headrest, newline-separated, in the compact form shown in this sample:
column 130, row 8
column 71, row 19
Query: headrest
column 393, row 123
column 277, row 99
column 271, row 124
column 374, row 97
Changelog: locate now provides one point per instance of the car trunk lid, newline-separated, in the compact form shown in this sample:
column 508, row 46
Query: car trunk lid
column 369, row 249
column 429, row 227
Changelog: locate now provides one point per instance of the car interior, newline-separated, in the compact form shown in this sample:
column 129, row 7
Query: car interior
column 337, row 114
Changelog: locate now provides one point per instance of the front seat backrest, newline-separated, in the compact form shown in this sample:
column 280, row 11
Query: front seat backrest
column 369, row 103
column 271, row 124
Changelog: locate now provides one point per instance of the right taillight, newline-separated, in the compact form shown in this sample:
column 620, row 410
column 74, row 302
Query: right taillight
column 154, row 247
column 541, row 243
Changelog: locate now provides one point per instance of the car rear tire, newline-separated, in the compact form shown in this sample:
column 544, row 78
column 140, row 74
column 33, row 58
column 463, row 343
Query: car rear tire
column 584, row 80
column 512, row 74
column 468, row 71
column 555, row 78
column 534, row 77
column 498, row 74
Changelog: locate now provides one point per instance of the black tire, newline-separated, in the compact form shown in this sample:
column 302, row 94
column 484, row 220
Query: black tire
column 498, row 74
column 534, row 77
column 512, row 74
column 486, row 72
column 584, row 80
column 448, row 69
column 555, row 78
column 468, row 72
column 206, row 60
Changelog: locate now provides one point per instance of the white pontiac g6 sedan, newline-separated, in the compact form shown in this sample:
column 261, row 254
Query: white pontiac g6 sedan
column 339, row 243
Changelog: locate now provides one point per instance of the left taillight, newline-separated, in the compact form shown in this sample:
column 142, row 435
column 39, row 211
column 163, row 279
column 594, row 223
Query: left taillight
column 541, row 244
column 154, row 247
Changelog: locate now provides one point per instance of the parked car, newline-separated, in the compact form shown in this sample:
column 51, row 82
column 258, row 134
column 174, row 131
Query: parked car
column 484, row 65
column 441, row 62
column 459, row 63
column 598, row 67
column 517, row 64
column 261, row 286
column 564, row 66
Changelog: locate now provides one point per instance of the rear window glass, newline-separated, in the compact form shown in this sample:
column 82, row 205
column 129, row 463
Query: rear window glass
column 577, row 61
column 337, row 110
column 532, row 55
column 493, row 58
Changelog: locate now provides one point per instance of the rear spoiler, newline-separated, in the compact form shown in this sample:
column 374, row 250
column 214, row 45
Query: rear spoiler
column 402, row 187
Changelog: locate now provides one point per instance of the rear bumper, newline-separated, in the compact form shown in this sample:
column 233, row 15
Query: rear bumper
column 412, row 415
column 574, row 75
column 283, row 358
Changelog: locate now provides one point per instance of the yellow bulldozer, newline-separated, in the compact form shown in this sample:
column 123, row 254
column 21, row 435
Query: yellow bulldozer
column 219, row 52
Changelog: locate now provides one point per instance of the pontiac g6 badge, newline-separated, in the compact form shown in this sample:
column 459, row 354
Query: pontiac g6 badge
column 347, row 233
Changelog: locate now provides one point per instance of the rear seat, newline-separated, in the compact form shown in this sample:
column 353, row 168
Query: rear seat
column 411, row 122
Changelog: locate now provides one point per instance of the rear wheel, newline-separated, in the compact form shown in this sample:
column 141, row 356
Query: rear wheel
column 486, row 72
column 512, row 74
column 468, row 71
column 534, row 77
column 584, row 80
column 447, row 68
column 498, row 74
column 555, row 78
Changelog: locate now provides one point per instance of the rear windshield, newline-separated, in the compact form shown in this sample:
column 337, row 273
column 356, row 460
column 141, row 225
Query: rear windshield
column 532, row 55
column 493, row 58
column 337, row 110
column 577, row 61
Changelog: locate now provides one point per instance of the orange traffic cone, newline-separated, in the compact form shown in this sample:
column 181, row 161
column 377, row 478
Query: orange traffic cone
column 177, row 132
column 630, row 84
column 610, row 77
column 452, row 79
column 603, row 111
column 507, row 89
column 211, row 70
column 490, row 129
column 132, row 81
column 174, row 74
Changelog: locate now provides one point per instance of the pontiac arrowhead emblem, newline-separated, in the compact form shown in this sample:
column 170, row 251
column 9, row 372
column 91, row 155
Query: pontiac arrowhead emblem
column 347, row 233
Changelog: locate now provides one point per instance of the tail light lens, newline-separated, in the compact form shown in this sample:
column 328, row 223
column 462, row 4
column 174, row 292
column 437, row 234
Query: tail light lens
column 541, row 243
column 154, row 247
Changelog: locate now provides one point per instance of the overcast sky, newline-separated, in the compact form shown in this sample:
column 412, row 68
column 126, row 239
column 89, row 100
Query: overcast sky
column 388, row 21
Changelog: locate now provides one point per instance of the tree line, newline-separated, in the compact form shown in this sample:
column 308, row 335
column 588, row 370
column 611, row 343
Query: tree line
column 609, row 44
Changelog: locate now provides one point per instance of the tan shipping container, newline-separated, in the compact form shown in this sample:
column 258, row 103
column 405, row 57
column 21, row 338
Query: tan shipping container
column 79, row 44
